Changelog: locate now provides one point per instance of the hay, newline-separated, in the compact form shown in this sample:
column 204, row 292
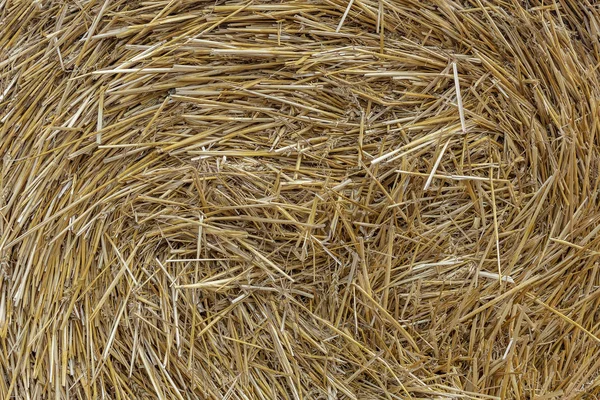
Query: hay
column 308, row 200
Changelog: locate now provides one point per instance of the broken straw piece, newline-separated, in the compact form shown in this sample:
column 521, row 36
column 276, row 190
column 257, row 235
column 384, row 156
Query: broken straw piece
column 492, row 275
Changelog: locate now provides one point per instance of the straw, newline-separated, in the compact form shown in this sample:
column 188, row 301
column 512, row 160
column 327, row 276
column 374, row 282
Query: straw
column 364, row 199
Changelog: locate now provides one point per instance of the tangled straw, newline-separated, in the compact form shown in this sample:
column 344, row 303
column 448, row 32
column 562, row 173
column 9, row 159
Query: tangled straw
column 364, row 199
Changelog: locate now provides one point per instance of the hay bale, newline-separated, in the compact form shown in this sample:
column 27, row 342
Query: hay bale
column 308, row 200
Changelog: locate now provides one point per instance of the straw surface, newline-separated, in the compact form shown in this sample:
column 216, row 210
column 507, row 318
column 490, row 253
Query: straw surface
column 364, row 199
